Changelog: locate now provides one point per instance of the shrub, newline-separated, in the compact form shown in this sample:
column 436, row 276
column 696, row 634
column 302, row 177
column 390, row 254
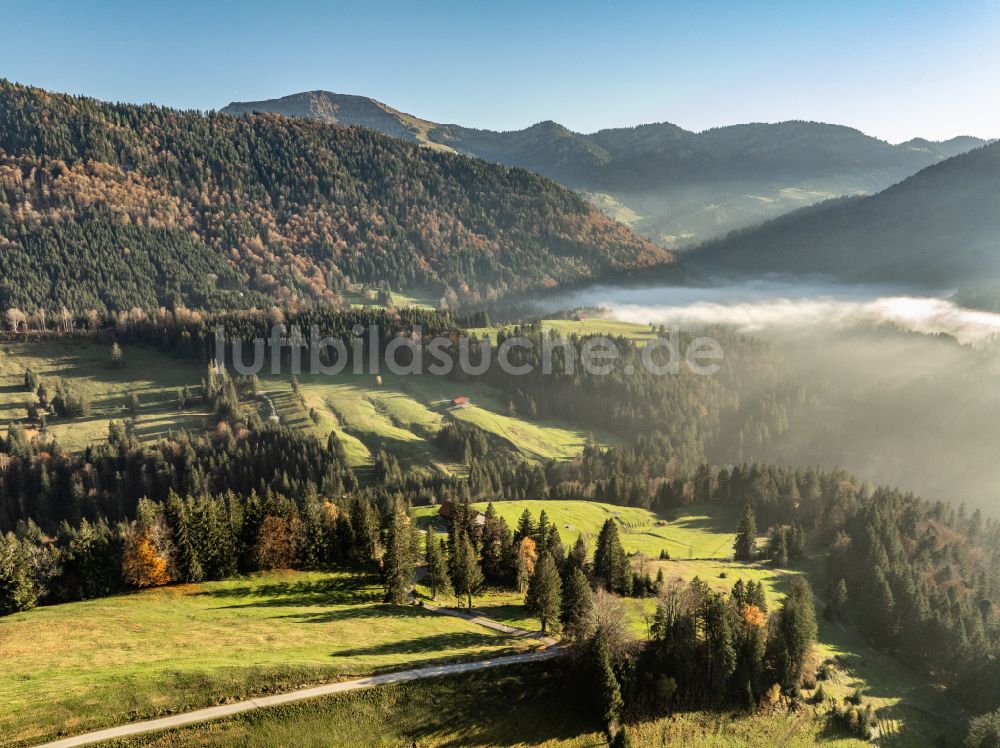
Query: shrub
column 984, row 731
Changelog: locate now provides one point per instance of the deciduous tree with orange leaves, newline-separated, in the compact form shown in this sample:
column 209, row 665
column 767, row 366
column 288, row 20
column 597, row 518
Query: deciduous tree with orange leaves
column 142, row 565
column 527, row 555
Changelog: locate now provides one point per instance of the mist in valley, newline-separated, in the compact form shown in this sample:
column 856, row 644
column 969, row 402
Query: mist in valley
column 896, row 385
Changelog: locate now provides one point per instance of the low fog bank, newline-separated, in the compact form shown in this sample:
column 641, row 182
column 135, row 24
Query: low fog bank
column 773, row 317
column 899, row 388
column 775, row 307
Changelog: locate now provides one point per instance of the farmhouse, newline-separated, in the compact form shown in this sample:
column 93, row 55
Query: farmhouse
column 461, row 402
column 447, row 511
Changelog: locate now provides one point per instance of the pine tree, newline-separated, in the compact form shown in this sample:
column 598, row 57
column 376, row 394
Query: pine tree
column 335, row 447
column 30, row 380
column 578, row 555
column 796, row 543
column 189, row 568
column 778, row 546
column 496, row 547
column 544, row 596
column 313, row 551
column 746, row 535
column 838, row 605
column 606, row 695
column 756, row 595
column 577, row 604
column 610, row 562
column 525, row 527
column 739, row 594
column 542, row 530
column 437, row 566
column 796, row 631
column 365, row 524
column 398, row 561
column 466, row 576
column 18, row 590
column 117, row 356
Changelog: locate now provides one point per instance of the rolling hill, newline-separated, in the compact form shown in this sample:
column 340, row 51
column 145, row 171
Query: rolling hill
column 672, row 185
column 938, row 227
column 114, row 206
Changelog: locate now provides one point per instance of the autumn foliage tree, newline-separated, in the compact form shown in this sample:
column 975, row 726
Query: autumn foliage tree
column 142, row 565
column 527, row 555
column 275, row 547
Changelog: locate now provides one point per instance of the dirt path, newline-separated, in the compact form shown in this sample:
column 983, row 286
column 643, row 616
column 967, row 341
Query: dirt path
column 229, row 710
column 489, row 623
column 402, row 676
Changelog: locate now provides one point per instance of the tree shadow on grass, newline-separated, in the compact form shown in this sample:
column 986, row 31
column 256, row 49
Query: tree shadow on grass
column 712, row 516
column 511, row 614
column 17, row 410
column 354, row 590
column 520, row 705
column 355, row 612
column 443, row 644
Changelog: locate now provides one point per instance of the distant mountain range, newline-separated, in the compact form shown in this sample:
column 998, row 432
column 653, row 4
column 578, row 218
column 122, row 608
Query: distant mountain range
column 114, row 206
column 672, row 185
column 938, row 227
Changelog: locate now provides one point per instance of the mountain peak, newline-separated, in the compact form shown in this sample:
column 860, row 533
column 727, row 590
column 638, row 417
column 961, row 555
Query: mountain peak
column 333, row 109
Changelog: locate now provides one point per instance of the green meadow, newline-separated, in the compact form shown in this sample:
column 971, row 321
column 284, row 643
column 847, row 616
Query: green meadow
column 153, row 376
column 80, row 666
column 591, row 326
column 515, row 706
column 403, row 414
column 698, row 531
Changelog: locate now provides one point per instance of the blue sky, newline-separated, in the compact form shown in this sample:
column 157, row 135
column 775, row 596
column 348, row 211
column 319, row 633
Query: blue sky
column 891, row 68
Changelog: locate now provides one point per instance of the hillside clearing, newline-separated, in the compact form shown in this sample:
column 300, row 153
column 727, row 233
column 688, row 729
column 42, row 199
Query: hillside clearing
column 152, row 375
column 76, row 667
column 403, row 414
column 697, row 531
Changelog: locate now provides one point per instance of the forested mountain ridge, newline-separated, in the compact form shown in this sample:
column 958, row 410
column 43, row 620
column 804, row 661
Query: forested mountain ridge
column 673, row 185
column 940, row 226
column 113, row 206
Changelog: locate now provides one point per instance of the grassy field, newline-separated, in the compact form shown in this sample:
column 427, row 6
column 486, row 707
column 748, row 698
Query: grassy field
column 544, row 439
column 70, row 668
column 150, row 374
column 912, row 712
column 598, row 326
column 722, row 575
column 403, row 414
column 367, row 417
column 593, row 326
column 698, row 531
column 85, row 665
column 508, row 606
column 422, row 298
column 522, row 706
